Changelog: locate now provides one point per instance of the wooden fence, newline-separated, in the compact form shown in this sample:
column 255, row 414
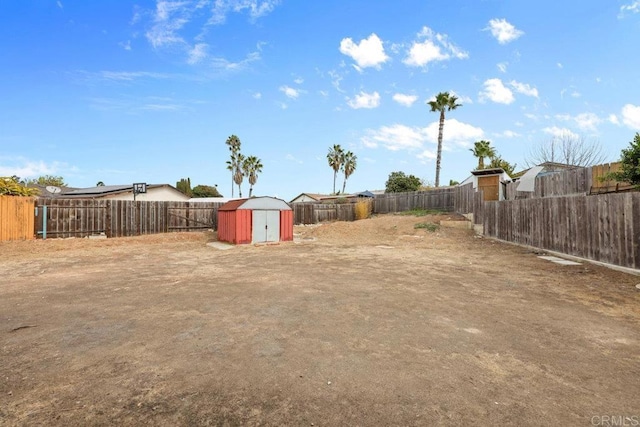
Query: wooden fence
column 573, row 181
column 16, row 218
column 116, row 218
column 437, row 199
column 603, row 227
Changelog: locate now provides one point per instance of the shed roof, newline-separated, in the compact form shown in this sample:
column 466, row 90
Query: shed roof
column 492, row 171
column 256, row 203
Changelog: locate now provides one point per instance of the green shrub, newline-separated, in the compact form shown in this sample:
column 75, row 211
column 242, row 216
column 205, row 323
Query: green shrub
column 429, row 226
column 422, row 212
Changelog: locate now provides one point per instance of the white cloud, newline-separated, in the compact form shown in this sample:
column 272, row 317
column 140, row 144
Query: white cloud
column 131, row 75
column 125, row 45
column 427, row 155
column 633, row 7
column 503, row 31
column 496, row 91
column 631, row 116
column 169, row 18
column 587, row 121
column 524, row 88
column 613, row 119
column 226, row 65
column 395, row 137
column 59, row 3
column 256, row 8
column 364, row 100
column 401, row 137
column 299, row 81
column 406, row 100
column 461, row 98
column 291, row 158
column 290, row 92
column 368, row 53
column 25, row 168
column 455, row 133
column 560, row 65
column 198, row 53
column 433, row 47
column 576, row 94
column 502, row 66
column 508, row 134
column 560, row 132
column 257, row 95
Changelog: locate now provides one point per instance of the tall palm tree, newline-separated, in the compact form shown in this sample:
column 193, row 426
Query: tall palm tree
column 443, row 102
column 348, row 167
column 483, row 149
column 251, row 167
column 335, row 157
column 238, row 174
column 233, row 142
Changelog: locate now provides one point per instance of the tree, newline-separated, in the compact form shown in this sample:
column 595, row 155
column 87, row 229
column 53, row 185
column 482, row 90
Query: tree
column 350, row 162
column 238, row 175
column 499, row 162
column 251, row 167
column 335, row 157
column 568, row 149
column 184, row 186
column 443, row 102
column 56, row 181
column 99, row 184
column 11, row 186
column 233, row 142
column 481, row 150
column 205, row 191
column 398, row 182
column 630, row 160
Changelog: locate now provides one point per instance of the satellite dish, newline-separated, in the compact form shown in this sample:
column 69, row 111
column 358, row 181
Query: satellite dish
column 53, row 189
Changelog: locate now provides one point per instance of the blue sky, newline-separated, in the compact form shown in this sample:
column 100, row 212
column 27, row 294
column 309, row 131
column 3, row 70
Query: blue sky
column 125, row 92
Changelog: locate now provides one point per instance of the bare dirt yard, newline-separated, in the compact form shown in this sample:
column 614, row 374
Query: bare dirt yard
column 373, row 322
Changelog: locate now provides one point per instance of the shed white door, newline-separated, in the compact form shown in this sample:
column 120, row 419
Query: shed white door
column 265, row 226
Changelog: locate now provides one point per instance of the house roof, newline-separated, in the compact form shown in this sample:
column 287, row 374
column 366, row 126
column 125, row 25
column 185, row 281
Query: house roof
column 492, row 171
column 93, row 192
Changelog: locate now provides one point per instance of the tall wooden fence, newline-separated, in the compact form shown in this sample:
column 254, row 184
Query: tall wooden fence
column 116, row 218
column 437, row 199
column 16, row 218
column 603, row 227
column 573, row 181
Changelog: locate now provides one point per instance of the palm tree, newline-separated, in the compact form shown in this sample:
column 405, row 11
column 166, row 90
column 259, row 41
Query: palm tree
column 481, row 150
column 443, row 102
column 238, row 175
column 336, row 160
column 233, row 142
column 252, row 166
column 348, row 167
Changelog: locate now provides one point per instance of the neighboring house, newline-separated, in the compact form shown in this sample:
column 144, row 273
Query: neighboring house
column 545, row 168
column 155, row 193
column 326, row 198
column 310, row 197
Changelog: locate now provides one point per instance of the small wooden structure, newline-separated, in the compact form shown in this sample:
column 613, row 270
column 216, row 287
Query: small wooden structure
column 490, row 182
column 255, row 220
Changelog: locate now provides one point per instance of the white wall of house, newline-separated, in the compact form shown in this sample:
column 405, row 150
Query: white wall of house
column 156, row 194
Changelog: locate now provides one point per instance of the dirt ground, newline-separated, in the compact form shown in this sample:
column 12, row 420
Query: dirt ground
column 373, row 322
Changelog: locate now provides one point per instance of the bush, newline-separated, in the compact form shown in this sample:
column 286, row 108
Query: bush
column 398, row 182
column 9, row 186
column 363, row 209
column 422, row 212
column 630, row 159
column 429, row 226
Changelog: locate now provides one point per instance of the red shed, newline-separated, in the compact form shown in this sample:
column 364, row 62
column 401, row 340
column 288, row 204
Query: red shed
column 255, row 220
